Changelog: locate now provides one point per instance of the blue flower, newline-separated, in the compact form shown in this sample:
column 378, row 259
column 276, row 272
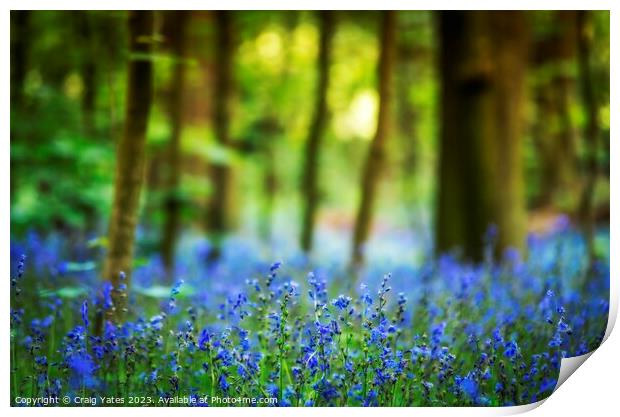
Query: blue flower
column 107, row 295
column 342, row 302
column 204, row 339
column 470, row 387
column 563, row 327
column 371, row 399
column 556, row 340
column 176, row 289
column 511, row 349
column 84, row 312
column 437, row 332
column 83, row 368
column 546, row 385
column 223, row 383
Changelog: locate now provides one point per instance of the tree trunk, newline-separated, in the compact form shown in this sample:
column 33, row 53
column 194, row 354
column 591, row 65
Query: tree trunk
column 376, row 154
column 310, row 174
column 591, row 134
column 409, row 54
column 177, row 21
column 20, row 40
column 20, row 43
column 555, row 133
column 219, row 219
column 482, row 60
column 88, row 70
column 130, row 156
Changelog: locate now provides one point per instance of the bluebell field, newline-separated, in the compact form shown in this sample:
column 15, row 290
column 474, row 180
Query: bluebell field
column 439, row 332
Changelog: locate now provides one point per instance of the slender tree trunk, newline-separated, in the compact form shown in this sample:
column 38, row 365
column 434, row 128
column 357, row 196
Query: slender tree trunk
column 219, row 219
column 176, row 32
column 268, row 130
column 20, row 34
column 482, row 60
column 408, row 119
column 20, row 43
column 591, row 134
column 130, row 156
column 88, row 70
column 310, row 186
column 376, row 154
column 555, row 132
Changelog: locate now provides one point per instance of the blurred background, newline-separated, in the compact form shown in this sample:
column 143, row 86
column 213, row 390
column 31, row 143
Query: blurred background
column 337, row 134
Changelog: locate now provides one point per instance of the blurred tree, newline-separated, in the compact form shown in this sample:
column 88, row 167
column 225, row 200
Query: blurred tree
column 482, row 57
column 87, row 67
column 407, row 113
column 592, row 132
column 554, row 56
column 175, row 27
column 130, row 155
column 269, row 129
column 414, row 58
column 20, row 39
column 310, row 174
column 220, row 206
column 376, row 153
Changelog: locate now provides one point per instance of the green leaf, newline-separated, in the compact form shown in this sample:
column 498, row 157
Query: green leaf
column 65, row 292
column 80, row 266
column 160, row 291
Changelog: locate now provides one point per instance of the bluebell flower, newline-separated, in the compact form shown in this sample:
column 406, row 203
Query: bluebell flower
column 223, row 383
column 563, row 327
column 546, row 385
column 556, row 340
column 204, row 339
column 84, row 312
column 437, row 332
column 342, row 302
column 176, row 288
column 470, row 387
column 499, row 387
column 371, row 399
column 511, row 349
column 83, row 368
column 107, row 295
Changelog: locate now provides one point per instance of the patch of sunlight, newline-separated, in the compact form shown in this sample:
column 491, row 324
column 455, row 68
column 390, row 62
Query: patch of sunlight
column 73, row 86
column 305, row 40
column 27, row 200
column 360, row 118
column 33, row 82
column 604, row 116
column 269, row 47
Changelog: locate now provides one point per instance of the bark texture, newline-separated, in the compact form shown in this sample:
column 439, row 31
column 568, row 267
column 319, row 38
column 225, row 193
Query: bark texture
column 130, row 155
column 482, row 67
column 220, row 206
